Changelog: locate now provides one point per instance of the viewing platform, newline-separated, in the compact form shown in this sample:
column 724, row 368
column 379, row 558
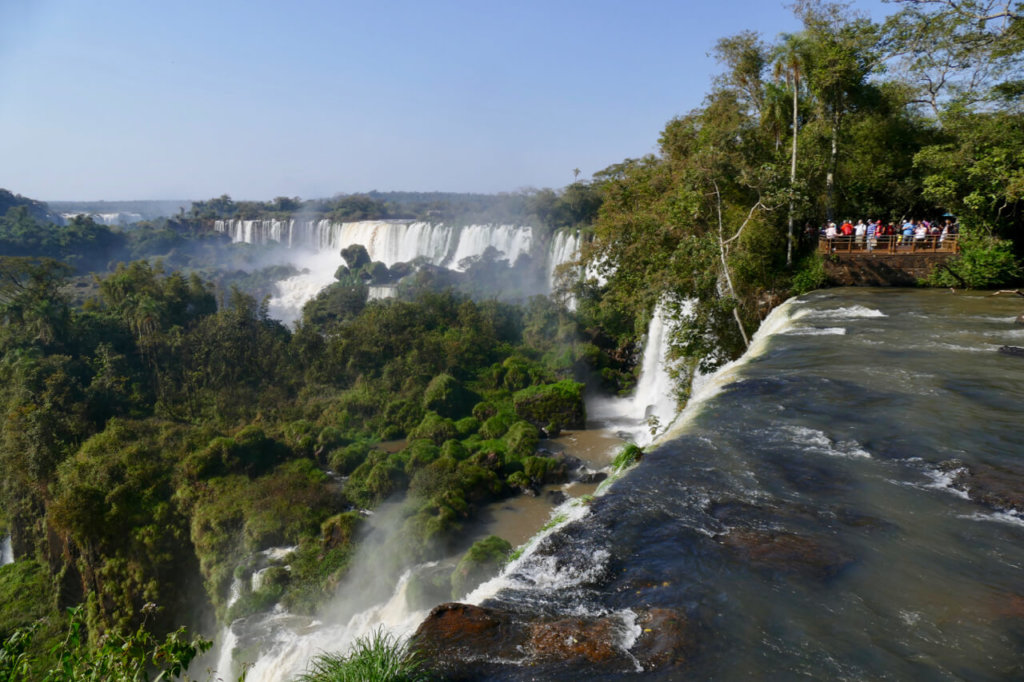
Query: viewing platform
column 890, row 261
column 891, row 244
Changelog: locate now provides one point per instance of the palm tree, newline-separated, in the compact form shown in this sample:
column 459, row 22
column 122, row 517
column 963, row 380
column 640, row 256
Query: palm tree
column 790, row 65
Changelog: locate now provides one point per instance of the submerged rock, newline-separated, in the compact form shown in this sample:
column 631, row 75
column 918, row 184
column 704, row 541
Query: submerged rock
column 1012, row 350
column 998, row 487
column 786, row 552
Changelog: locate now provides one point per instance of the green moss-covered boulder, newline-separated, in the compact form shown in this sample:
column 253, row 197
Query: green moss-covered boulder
column 552, row 407
column 339, row 530
column 434, row 428
column 497, row 426
column 448, row 397
column 454, row 449
column 467, row 427
column 483, row 560
column 522, row 439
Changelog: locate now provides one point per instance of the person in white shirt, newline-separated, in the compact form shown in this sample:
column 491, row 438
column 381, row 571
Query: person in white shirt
column 859, row 230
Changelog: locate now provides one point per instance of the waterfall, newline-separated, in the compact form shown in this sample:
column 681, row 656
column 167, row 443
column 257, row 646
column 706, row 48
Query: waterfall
column 565, row 247
column 655, row 394
column 388, row 241
column 653, row 406
column 6, row 551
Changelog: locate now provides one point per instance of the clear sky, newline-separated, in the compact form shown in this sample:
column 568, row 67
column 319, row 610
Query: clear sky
column 188, row 99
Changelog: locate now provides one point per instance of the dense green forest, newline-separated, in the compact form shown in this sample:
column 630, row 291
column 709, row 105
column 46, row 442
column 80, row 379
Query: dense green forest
column 160, row 429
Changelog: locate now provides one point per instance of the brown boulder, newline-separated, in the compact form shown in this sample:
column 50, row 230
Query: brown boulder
column 459, row 641
column 999, row 487
column 574, row 638
column 666, row 638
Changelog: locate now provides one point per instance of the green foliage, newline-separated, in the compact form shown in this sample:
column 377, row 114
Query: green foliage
column 136, row 657
column 553, row 406
column 984, row 262
column 627, row 457
column 379, row 657
column 448, row 397
column 809, row 275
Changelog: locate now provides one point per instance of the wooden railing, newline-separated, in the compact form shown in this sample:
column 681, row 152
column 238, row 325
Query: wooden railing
column 897, row 244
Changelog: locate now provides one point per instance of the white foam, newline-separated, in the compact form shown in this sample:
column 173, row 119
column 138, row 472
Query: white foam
column 849, row 313
column 817, row 331
column 817, row 442
column 1006, row 517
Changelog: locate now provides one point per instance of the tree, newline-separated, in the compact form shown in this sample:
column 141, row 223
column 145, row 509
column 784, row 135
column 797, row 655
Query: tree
column 790, row 64
column 842, row 53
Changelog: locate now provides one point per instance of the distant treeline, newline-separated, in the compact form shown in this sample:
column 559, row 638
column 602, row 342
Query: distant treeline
column 572, row 206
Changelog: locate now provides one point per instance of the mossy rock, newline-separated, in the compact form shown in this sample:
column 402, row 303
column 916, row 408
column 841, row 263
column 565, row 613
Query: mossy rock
column 483, row 560
column 435, row 428
column 522, row 439
column 552, row 406
column 454, row 449
column 339, row 530
column 448, row 397
column 467, row 426
column 484, row 410
column 497, row 426
column 347, row 459
column 419, row 454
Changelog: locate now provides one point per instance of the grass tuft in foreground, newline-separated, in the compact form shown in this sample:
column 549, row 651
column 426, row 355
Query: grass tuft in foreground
column 379, row 657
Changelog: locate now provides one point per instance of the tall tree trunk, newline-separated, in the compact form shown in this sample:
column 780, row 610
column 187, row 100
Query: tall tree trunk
column 792, row 177
column 830, row 178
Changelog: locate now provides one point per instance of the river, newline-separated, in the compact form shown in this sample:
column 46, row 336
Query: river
column 818, row 512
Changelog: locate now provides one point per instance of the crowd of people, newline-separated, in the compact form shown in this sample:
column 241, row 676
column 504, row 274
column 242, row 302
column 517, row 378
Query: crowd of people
column 870, row 233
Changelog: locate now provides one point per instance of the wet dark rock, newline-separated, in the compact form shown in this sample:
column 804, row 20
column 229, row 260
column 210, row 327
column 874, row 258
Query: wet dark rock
column 571, row 462
column 786, row 552
column 574, row 639
column 591, row 476
column 1016, row 351
column 998, row 487
column 456, row 640
column 461, row 642
column 557, row 497
column 666, row 638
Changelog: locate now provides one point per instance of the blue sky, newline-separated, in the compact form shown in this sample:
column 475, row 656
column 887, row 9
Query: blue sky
column 131, row 99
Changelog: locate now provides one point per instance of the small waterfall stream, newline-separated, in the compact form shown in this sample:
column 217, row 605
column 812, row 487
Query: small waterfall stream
column 6, row 551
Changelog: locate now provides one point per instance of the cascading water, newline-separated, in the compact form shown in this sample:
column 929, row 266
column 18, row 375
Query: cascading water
column 843, row 502
column 387, row 241
column 653, row 405
column 6, row 551
column 565, row 247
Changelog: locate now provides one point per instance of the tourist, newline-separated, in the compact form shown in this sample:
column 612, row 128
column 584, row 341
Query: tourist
column 859, row 231
column 872, row 230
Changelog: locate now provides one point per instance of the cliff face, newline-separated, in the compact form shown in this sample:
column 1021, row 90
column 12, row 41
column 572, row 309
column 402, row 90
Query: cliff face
column 881, row 269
